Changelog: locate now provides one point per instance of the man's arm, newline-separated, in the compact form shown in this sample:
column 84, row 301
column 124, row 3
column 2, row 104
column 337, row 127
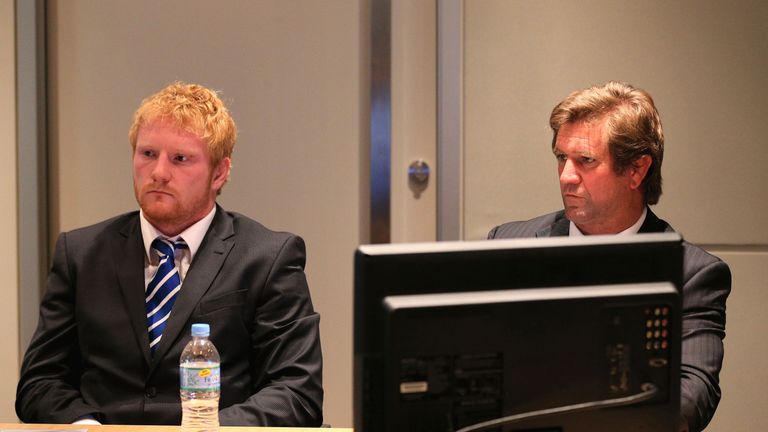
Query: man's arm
column 707, row 283
column 286, row 353
column 48, row 389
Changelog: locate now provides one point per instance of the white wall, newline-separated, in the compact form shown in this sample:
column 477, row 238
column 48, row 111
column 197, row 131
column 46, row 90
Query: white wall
column 9, row 280
column 745, row 375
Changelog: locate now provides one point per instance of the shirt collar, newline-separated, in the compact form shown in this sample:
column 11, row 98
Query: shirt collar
column 634, row 229
column 192, row 236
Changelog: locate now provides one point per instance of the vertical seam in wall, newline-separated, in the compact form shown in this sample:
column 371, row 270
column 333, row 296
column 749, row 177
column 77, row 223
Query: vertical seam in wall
column 381, row 121
column 449, row 123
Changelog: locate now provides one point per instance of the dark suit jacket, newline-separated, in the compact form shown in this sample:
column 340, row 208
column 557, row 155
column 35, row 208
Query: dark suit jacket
column 90, row 353
column 706, row 284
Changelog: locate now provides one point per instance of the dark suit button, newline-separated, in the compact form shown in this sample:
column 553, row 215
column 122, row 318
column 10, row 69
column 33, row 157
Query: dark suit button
column 151, row 392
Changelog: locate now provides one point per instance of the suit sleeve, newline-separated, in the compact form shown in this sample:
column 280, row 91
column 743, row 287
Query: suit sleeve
column 286, row 352
column 492, row 233
column 705, row 290
column 47, row 391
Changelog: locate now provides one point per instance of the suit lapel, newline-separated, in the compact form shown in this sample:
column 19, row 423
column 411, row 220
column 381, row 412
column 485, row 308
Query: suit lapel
column 205, row 266
column 129, row 262
column 653, row 224
column 559, row 227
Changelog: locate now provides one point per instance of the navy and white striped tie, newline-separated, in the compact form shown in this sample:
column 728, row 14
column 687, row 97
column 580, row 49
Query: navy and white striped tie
column 162, row 289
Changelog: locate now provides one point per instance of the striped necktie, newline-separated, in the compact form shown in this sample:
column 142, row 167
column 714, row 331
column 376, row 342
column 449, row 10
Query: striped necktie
column 162, row 289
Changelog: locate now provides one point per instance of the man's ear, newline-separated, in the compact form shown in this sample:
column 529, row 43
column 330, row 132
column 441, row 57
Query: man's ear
column 221, row 173
column 638, row 170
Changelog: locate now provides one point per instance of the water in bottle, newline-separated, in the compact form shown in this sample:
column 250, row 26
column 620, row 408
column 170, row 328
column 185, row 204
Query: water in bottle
column 199, row 369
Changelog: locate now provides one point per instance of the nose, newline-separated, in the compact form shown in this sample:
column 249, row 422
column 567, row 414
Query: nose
column 161, row 170
column 568, row 173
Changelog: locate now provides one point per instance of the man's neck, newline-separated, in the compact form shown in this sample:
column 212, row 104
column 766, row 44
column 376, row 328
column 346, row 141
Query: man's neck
column 628, row 226
column 172, row 229
column 193, row 235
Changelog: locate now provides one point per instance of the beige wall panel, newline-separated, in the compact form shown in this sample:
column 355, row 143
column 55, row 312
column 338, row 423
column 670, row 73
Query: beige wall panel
column 744, row 378
column 291, row 74
column 414, row 96
column 9, row 276
column 704, row 63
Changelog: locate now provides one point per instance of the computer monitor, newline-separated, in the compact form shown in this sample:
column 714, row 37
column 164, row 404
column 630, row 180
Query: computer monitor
column 453, row 334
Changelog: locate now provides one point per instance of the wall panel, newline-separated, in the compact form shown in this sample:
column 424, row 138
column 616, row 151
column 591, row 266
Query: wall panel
column 702, row 61
column 745, row 377
column 9, row 276
column 290, row 73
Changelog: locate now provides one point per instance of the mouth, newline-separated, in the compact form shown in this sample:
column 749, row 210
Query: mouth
column 158, row 192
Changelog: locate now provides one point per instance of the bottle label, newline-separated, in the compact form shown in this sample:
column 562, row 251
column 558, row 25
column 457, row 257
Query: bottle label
column 200, row 378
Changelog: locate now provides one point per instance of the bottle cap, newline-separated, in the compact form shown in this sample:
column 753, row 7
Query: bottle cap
column 201, row 329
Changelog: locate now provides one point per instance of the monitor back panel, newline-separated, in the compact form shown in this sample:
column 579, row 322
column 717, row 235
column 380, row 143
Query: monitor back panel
column 457, row 364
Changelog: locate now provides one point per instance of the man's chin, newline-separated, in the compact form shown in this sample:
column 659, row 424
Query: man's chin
column 159, row 212
column 575, row 214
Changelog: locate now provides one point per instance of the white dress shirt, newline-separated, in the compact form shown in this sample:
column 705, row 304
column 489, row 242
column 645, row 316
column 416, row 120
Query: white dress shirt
column 192, row 236
column 574, row 231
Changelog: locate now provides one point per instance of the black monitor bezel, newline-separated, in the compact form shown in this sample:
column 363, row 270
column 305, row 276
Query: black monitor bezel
column 413, row 268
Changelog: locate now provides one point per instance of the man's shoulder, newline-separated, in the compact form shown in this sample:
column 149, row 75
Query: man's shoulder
column 118, row 223
column 252, row 241
column 102, row 237
column 527, row 228
column 695, row 257
column 255, row 232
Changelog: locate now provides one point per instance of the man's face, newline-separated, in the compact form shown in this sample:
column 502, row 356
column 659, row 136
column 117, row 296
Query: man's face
column 173, row 178
column 595, row 198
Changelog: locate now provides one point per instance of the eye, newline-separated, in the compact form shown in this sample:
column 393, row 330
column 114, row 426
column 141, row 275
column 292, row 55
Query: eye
column 147, row 153
column 561, row 157
column 181, row 158
column 587, row 160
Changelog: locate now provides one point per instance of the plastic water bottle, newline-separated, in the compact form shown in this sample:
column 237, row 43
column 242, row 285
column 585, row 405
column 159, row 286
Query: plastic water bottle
column 200, row 373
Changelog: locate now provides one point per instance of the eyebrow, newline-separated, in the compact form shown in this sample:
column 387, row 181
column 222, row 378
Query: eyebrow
column 556, row 151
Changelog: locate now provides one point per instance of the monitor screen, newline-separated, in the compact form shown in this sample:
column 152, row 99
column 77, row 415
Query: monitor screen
column 453, row 334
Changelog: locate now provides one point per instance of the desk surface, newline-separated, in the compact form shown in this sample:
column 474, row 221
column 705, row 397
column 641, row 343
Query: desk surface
column 142, row 428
